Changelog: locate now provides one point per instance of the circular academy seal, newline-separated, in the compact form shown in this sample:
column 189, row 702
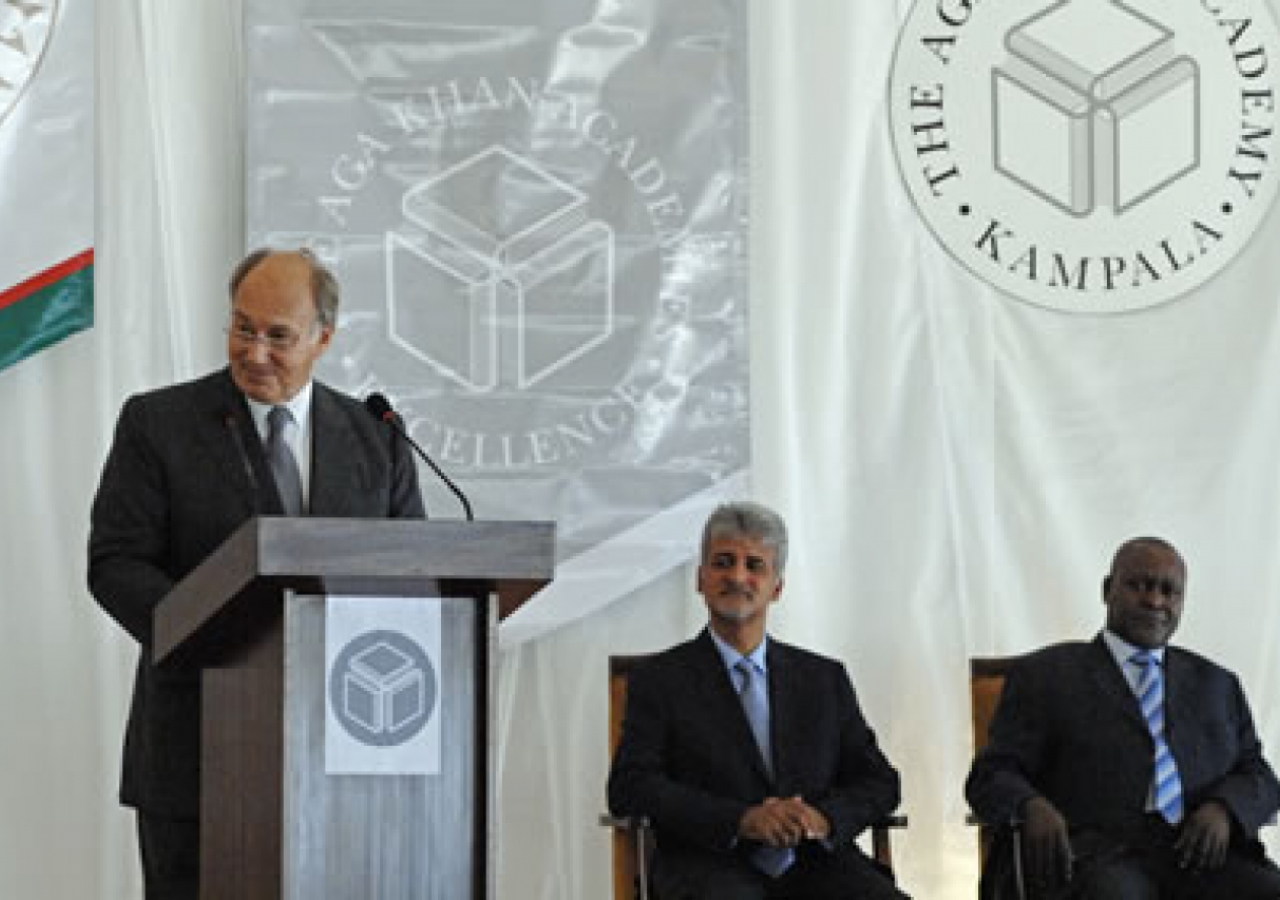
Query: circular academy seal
column 25, row 29
column 383, row 688
column 1091, row 156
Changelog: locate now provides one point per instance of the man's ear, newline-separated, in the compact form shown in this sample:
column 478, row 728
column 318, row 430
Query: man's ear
column 1106, row 588
column 777, row 590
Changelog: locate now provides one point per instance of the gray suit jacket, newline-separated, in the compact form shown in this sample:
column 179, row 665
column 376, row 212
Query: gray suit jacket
column 1068, row 727
column 687, row 758
column 186, row 468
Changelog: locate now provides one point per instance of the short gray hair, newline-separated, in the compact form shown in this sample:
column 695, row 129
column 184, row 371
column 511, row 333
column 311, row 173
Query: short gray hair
column 324, row 286
column 744, row 518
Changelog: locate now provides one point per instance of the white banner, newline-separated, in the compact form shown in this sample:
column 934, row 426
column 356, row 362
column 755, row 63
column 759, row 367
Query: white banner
column 46, row 172
column 538, row 215
column 382, row 686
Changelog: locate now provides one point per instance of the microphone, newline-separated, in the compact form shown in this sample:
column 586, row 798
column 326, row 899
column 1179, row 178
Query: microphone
column 233, row 425
column 380, row 408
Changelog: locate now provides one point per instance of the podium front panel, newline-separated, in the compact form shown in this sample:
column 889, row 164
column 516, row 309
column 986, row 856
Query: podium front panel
column 385, row 837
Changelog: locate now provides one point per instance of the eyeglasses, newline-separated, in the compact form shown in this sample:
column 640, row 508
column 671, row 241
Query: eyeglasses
column 278, row 338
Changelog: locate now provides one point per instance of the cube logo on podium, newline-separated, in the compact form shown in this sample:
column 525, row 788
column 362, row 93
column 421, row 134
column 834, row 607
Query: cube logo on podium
column 1089, row 155
column 381, row 664
column 383, row 688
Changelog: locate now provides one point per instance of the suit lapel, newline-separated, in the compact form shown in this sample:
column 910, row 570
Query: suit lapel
column 1112, row 684
column 721, row 701
column 337, row 461
column 785, row 696
column 1179, row 702
column 227, row 431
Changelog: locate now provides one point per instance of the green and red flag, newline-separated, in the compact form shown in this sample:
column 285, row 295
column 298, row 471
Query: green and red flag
column 46, row 308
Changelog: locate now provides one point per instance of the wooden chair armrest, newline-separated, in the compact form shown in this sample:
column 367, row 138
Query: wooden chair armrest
column 972, row 819
column 641, row 830
column 1015, row 831
column 881, row 847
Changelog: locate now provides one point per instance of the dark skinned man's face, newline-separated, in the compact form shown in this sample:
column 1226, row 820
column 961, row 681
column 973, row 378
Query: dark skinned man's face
column 1143, row 594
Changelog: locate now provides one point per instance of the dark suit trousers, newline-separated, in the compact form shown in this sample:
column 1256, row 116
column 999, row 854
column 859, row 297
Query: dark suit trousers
column 1142, row 865
column 816, row 875
column 170, row 851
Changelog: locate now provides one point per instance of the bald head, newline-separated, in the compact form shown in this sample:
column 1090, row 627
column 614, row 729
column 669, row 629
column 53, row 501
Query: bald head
column 282, row 308
column 301, row 264
column 1144, row 591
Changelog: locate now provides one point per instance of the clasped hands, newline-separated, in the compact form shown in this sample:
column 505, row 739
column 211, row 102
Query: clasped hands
column 1201, row 844
column 783, row 822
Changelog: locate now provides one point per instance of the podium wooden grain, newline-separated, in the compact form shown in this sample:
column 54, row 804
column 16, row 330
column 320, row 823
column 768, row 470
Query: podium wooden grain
column 274, row 825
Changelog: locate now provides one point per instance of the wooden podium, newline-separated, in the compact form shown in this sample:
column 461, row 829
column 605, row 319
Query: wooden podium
column 274, row 825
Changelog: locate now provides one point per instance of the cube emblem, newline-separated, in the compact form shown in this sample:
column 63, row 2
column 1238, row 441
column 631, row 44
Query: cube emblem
column 383, row 691
column 501, row 252
column 1093, row 109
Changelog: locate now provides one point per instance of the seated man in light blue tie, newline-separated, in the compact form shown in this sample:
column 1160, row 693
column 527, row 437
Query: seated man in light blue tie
column 1134, row 765
column 750, row 756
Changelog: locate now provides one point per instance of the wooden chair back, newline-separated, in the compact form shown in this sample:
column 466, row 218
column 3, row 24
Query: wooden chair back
column 624, row 843
column 986, row 683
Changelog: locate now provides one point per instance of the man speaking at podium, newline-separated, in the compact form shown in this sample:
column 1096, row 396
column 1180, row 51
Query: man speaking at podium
column 188, row 465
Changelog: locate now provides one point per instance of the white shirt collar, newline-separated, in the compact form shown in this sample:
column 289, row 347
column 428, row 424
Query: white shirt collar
column 299, row 406
column 730, row 656
column 1123, row 651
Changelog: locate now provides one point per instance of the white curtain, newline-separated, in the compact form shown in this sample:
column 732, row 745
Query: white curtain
column 956, row 467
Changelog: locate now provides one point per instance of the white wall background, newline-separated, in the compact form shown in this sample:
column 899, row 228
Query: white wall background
column 956, row 467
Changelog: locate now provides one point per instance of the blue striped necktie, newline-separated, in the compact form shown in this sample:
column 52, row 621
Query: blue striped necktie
column 773, row 861
column 1166, row 789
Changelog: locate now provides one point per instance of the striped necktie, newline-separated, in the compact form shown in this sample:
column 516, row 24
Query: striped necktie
column 284, row 466
column 1166, row 786
column 753, row 693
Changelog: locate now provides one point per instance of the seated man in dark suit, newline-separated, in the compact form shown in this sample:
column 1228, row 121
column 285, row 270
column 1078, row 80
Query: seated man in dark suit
column 1133, row 765
column 751, row 756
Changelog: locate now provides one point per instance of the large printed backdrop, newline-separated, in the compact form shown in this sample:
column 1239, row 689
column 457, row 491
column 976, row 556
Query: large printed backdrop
column 538, row 215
